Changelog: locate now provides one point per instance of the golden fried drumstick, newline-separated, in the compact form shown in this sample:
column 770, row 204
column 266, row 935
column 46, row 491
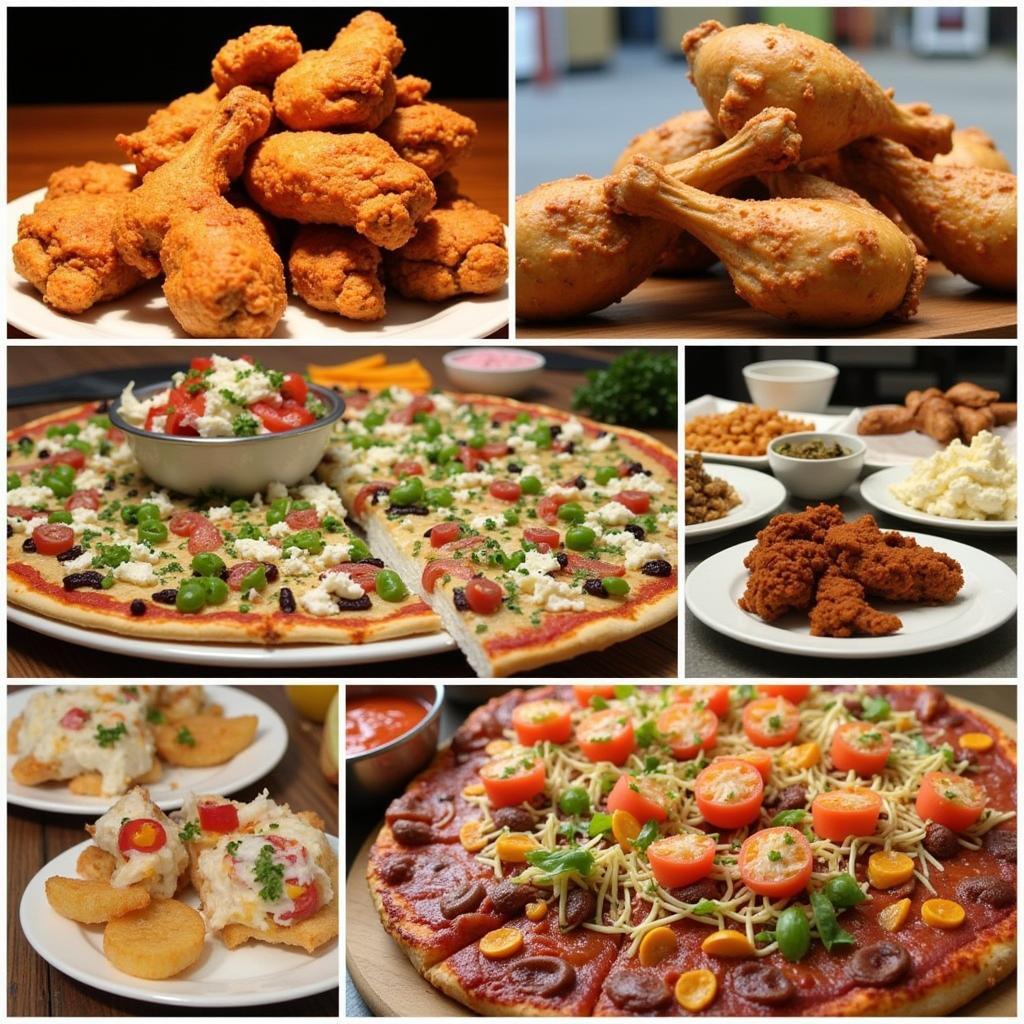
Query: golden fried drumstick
column 201, row 172
column 741, row 70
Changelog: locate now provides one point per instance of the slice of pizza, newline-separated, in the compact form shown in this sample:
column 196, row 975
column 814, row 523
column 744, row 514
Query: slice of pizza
column 533, row 534
column 90, row 541
column 262, row 871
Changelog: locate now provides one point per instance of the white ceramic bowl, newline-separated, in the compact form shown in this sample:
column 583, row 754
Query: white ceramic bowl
column 798, row 385
column 817, row 478
column 493, row 380
column 238, row 466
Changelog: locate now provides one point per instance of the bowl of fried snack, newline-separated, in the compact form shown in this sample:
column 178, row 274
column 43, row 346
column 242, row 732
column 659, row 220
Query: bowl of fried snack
column 745, row 430
column 816, row 465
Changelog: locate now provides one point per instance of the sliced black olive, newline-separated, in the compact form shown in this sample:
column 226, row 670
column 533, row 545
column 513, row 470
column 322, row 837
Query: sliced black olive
column 464, row 901
column 762, row 983
column 993, row 892
column 412, row 833
column 543, row 975
column 883, row 963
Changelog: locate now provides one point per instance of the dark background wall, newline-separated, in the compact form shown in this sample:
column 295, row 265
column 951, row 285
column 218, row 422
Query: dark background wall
column 868, row 374
column 138, row 54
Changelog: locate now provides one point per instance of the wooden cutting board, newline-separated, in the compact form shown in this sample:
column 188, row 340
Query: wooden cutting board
column 392, row 987
column 705, row 306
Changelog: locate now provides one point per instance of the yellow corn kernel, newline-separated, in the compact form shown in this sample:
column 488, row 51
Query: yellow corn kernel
column 887, row 869
column 471, row 836
column 942, row 914
column 892, row 917
column 536, row 911
column 474, row 789
column 514, row 847
column 696, row 990
column 625, row 828
column 501, row 943
column 727, row 943
column 806, row 755
column 497, row 747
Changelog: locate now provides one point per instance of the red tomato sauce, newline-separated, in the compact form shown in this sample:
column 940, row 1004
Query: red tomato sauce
column 376, row 719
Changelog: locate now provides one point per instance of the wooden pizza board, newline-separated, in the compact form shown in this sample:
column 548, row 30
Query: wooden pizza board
column 392, row 987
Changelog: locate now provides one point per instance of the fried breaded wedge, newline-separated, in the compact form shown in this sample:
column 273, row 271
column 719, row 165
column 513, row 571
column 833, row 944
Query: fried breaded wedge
column 92, row 901
column 201, row 741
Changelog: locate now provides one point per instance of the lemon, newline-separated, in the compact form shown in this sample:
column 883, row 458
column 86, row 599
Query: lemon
column 311, row 701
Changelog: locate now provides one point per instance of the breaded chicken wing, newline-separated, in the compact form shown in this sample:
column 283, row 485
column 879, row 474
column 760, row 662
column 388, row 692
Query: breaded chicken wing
column 255, row 58
column 457, row 250
column 429, row 135
column 352, row 180
column 337, row 270
column 224, row 279
column 410, row 90
column 92, row 178
column 167, row 130
column 350, row 85
column 197, row 176
column 891, row 565
column 841, row 610
column 65, row 250
column 783, row 577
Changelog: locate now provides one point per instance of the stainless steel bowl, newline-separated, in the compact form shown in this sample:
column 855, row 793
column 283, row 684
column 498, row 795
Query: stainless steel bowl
column 238, row 466
column 375, row 775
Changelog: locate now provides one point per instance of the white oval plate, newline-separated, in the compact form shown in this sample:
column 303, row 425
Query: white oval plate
column 712, row 405
column 760, row 493
column 987, row 600
column 260, row 757
column 874, row 489
column 252, row 975
column 236, row 655
column 143, row 313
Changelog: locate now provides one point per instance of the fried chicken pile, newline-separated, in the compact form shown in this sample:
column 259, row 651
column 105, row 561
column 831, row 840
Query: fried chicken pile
column 326, row 138
column 961, row 411
column 816, row 562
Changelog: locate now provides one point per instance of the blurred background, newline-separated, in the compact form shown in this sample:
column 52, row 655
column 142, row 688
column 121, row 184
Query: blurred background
column 869, row 375
column 590, row 78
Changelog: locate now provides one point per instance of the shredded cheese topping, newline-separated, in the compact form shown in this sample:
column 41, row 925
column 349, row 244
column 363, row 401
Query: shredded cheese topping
column 622, row 880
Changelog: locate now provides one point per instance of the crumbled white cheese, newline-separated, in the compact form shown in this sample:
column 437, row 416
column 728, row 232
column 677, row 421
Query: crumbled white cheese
column 669, row 520
column 79, row 564
column 281, row 529
column 83, row 515
column 295, row 564
column 600, row 444
column 333, row 554
column 320, row 600
column 29, row 495
column 558, row 491
column 275, row 490
column 538, row 563
column 144, row 553
column 132, row 411
column 88, row 479
column 442, row 403
column 572, row 430
column 550, row 594
column 138, row 573
column 324, row 499
column 474, row 479
column 484, row 522
column 162, row 502
column 639, row 551
column 19, row 525
column 614, row 513
column 257, row 550
column 218, row 513
column 637, row 482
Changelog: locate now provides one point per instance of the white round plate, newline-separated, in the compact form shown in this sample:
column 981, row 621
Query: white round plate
column 236, row 655
column 265, row 751
column 874, row 489
column 987, row 600
column 761, row 495
column 143, row 314
column 252, row 975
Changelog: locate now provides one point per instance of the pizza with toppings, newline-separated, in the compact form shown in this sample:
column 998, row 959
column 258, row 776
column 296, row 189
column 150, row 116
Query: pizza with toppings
column 533, row 534
column 529, row 534
column 708, row 850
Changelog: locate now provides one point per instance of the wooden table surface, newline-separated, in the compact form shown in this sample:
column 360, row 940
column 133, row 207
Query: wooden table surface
column 706, row 306
column 34, row 838
column 31, row 655
column 41, row 139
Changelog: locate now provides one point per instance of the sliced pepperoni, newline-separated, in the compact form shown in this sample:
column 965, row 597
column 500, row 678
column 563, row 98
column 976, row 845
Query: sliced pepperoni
column 303, row 519
column 397, row 868
column 904, row 891
column 412, row 833
column 940, row 842
column 929, row 704
column 370, row 493
column 83, row 499
column 1002, row 845
column 238, row 572
column 580, row 905
column 592, row 566
column 465, row 543
column 360, row 572
column 509, row 898
column 183, row 523
column 543, row 975
column 705, row 889
column 425, row 807
column 205, row 537
column 993, row 892
column 477, row 732
column 791, row 798
column 463, row 901
column 636, row 991
column 883, row 963
column 762, row 983
column 515, row 819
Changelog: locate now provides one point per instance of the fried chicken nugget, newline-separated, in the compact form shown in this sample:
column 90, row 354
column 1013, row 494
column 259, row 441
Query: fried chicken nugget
column 95, row 863
column 168, row 129
column 160, row 941
column 338, row 271
column 429, row 135
column 349, row 85
column 410, row 90
column 456, row 251
column 27, row 771
column 310, row 934
column 65, row 251
column 200, row 741
column 352, row 180
column 93, row 178
column 255, row 58
column 92, row 901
